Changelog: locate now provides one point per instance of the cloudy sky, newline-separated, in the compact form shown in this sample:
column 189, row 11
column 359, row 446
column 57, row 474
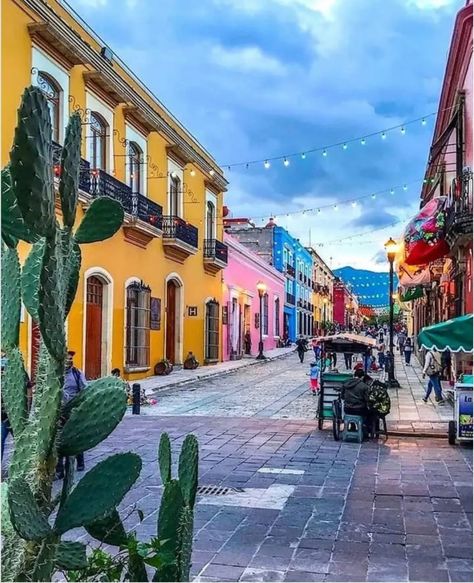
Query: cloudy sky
column 257, row 79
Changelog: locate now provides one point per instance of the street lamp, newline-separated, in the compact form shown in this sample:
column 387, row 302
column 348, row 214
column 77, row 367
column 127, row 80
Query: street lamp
column 325, row 303
column 391, row 248
column 261, row 288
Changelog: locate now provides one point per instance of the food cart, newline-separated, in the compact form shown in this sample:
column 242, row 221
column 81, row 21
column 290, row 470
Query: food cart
column 329, row 402
column 455, row 335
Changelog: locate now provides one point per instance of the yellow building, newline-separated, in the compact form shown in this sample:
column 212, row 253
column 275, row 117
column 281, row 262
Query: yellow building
column 322, row 294
column 153, row 291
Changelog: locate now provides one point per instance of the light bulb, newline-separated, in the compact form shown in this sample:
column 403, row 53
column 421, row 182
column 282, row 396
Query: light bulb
column 374, row 196
column 344, row 146
column 403, row 130
column 303, row 156
column 286, row 162
column 266, row 164
column 383, row 135
column 354, row 204
column 335, row 207
column 319, row 211
column 193, row 172
column 392, row 191
column 211, row 172
column 325, row 153
column 362, row 142
column 405, row 187
column 423, row 122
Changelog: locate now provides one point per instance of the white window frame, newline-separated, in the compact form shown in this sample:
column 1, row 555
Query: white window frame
column 133, row 136
column 93, row 103
column 177, row 170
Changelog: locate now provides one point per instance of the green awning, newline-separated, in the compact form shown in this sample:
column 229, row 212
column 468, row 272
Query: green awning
column 454, row 335
column 412, row 294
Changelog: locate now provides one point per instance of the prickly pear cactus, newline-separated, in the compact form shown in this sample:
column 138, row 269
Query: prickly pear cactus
column 47, row 284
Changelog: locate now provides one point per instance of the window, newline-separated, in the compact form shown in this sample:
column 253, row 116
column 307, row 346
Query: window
column 52, row 92
column 277, row 316
column 98, row 142
column 175, row 186
column 212, row 331
column 138, row 325
column 210, row 220
column 135, row 159
column 265, row 315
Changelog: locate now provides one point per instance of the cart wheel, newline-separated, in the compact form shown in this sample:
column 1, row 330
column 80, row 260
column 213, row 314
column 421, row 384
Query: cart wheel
column 452, row 433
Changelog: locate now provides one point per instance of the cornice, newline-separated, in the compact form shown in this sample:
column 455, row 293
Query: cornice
column 86, row 54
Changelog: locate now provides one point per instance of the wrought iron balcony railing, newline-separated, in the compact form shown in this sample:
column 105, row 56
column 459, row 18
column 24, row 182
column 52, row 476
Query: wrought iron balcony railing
column 176, row 228
column 215, row 249
column 459, row 212
column 84, row 168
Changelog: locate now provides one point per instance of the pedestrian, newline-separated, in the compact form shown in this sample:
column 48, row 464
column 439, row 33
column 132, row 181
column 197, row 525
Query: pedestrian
column 348, row 360
column 314, row 372
column 432, row 369
column 355, row 394
column 74, row 383
column 407, row 349
column 301, row 347
column 248, row 342
column 334, row 359
column 401, row 340
column 367, row 358
column 316, row 348
column 381, row 352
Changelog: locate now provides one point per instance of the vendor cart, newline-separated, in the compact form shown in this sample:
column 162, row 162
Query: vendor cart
column 329, row 402
column 455, row 335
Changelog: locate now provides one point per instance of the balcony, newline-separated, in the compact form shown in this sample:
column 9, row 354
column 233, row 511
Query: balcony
column 215, row 255
column 290, row 299
column 180, row 239
column 459, row 214
column 290, row 270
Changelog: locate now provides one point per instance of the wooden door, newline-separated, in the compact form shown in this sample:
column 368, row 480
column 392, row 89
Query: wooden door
column 34, row 349
column 94, row 309
column 171, row 321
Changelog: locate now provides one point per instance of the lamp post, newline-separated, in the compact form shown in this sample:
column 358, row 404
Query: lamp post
column 391, row 249
column 261, row 288
column 325, row 303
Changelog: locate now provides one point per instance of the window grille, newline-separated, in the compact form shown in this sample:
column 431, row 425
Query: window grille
column 138, row 325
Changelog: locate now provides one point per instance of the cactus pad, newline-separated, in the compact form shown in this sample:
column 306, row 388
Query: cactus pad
column 185, row 543
column 13, row 225
column 70, row 165
column 30, row 278
column 73, row 281
column 31, row 163
column 164, row 458
column 188, row 469
column 11, row 297
column 25, row 515
column 108, row 530
column 14, row 391
column 89, row 423
column 99, row 492
column 102, row 220
column 172, row 504
column 71, row 555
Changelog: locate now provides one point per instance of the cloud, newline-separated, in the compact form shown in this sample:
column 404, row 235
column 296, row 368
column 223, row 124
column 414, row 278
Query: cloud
column 253, row 79
column 380, row 258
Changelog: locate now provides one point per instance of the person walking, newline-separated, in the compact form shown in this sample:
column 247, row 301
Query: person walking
column 401, row 340
column 407, row 349
column 316, row 348
column 381, row 352
column 432, row 369
column 348, row 360
column 314, row 372
column 301, row 347
column 74, row 383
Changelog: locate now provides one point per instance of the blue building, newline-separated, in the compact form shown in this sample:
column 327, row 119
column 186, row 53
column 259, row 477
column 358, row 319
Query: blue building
column 277, row 247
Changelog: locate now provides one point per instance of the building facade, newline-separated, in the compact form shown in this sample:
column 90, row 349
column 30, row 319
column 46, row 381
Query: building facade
column 450, row 174
column 243, row 322
column 346, row 306
column 154, row 290
column 322, row 294
column 279, row 248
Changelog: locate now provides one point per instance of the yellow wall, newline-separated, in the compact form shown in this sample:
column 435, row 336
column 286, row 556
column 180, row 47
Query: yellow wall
column 119, row 258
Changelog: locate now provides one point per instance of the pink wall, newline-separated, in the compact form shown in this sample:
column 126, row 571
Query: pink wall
column 244, row 270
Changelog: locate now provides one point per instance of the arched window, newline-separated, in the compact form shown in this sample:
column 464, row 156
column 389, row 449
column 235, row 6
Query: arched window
column 175, row 187
column 134, row 164
column 210, row 220
column 52, row 92
column 98, row 142
column 265, row 315
column 277, row 316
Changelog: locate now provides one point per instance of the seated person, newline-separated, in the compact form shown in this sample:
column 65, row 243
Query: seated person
column 355, row 394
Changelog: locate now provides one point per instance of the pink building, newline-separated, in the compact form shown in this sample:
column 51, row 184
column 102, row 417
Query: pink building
column 241, row 320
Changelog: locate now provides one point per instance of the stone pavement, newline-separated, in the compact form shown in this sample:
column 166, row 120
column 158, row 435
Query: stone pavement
column 309, row 508
column 182, row 377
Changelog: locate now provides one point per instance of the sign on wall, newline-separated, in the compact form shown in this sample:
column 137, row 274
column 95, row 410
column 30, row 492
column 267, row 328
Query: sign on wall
column 192, row 311
column 155, row 313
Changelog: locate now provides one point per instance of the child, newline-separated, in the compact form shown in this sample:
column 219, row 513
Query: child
column 314, row 370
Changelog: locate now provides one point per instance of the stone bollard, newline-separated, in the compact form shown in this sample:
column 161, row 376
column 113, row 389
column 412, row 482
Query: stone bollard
column 136, row 390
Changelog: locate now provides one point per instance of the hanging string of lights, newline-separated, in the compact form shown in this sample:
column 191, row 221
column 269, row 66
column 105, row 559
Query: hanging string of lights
column 344, row 144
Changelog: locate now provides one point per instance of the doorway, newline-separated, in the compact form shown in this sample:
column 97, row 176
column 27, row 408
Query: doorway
column 211, row 352
column 94, row 327
column 172, row 320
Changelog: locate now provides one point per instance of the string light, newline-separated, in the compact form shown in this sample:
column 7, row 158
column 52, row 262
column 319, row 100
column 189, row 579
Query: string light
column 211, row 172
column 325, row 153
column 286, row 162
column 362, row 142
column 374, row 196
column 403, row 130
column 405, row 187
column 303, row 156
column 392, row 191
column 344, row 146
column 336, row 207
column 354, row 203
column 383, row 135
column 423, row 122
column 193, row 172
column 267, row 164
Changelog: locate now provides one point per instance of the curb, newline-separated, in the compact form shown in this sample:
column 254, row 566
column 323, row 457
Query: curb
column 423, row 434
column 201, row 377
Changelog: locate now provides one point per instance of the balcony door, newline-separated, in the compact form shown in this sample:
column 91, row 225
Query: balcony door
column 97, row 146
column 210, row 221
column 135, row 161
column 175, row 194
column 174, row 321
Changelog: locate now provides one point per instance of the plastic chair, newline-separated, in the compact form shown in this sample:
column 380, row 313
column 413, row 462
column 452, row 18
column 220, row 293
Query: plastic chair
column 353, row 430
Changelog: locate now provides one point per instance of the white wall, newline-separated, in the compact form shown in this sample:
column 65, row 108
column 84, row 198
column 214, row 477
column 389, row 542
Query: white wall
column 42, row 62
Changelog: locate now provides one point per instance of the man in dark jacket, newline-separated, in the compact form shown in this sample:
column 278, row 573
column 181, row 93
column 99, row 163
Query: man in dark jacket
column 355, row 394
column 301, row 347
